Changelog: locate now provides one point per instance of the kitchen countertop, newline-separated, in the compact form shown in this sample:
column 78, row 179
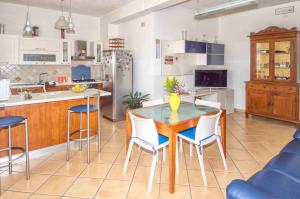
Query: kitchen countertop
column 17, row 100
column 28, row 85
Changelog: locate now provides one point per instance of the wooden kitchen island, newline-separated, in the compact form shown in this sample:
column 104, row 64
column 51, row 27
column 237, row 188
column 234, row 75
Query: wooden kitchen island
column 47, row 117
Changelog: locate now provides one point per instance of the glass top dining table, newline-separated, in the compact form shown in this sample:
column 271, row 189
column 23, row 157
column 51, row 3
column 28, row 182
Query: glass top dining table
column 169, row 123
column 162, row 113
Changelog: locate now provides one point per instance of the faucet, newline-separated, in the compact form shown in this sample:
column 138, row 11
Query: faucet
column 40, row 78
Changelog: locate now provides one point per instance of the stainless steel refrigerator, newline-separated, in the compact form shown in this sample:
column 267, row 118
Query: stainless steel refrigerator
column 118, row 69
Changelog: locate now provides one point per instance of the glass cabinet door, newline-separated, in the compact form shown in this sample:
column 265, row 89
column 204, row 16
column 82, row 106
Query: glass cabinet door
column 65, row 52
column 262, row 67
column 282, row 60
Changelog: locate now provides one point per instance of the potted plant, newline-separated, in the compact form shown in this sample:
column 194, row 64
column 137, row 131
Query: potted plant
column 174, row 88
column 135, row 100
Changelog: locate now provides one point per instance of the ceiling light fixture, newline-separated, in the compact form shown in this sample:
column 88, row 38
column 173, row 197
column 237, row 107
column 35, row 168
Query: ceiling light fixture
column 70, row 28
column 224, row 7
column 27, row 30
column 61, row 23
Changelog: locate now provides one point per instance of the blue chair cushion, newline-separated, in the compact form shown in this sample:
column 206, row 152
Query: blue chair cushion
column 189, row 133
column 292, row 147
column 286, row 164
column 83, row 108
column 277, row 184
column 297, row 134
column 162, row 139
column 10, row 120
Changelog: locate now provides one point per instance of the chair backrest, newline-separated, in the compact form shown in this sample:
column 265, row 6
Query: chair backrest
column 145, row 131
column 207, row 126
column 153, row 102
column 208, row 103
column 96, row 102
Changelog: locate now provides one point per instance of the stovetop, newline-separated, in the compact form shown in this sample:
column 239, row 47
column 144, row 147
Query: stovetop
column 84, row 80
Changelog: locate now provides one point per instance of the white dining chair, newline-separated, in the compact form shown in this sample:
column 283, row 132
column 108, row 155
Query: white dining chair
column 155, row 103
column 145, row 135
column 204, row 133
column 199, row 102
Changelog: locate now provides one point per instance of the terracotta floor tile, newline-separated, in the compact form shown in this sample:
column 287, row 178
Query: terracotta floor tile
column 116, row 173
column 56, row 185
column 180, row 192
column 71, row 169
column 206, row 192
column 225, row 178
column 96, row 170
column 138, row 190
column 41, row 196
column 196, row 179
column 84, row 188
column 250, row 144
column 180, row 179
column 23, row 185
column 48, row 167
column 142, row 174
column 113, row 189
column 14, row 195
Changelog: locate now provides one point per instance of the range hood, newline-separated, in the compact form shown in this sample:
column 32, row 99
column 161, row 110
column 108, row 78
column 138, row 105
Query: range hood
column 81, row 51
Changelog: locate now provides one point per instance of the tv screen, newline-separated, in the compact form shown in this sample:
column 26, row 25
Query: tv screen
column 211, row 78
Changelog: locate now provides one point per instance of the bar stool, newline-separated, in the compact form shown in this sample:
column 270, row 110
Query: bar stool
column 87, row 108
column 9, row 121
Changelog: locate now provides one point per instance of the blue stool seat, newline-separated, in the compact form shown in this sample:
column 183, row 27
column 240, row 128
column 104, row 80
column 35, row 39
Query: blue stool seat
column 162, row 139
column 11, row 120
column 83, row 108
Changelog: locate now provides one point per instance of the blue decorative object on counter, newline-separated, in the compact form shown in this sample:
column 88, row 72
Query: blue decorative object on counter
column 81, row 72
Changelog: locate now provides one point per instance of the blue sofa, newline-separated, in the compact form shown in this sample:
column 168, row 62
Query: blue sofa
column 279, row 179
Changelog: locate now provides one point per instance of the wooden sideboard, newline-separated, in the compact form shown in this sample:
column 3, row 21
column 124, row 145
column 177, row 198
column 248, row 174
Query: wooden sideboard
column 273, row 89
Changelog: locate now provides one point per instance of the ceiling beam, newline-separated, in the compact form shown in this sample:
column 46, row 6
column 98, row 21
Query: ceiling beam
column 138, row 8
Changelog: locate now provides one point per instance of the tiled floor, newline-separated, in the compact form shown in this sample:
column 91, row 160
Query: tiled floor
column 250, row 144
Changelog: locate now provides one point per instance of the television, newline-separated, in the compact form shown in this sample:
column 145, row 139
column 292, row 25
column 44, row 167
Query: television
column 211, row 78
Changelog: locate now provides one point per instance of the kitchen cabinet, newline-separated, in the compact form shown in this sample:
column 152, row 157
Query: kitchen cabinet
column 39, row 51
column 215, row 54
column 96, row 49
column 39, row 44
column 273, row 90
column 65, row 52
column 185, row 46
column 9, row 49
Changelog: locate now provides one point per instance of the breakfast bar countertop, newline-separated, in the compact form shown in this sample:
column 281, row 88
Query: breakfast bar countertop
column 17, row 100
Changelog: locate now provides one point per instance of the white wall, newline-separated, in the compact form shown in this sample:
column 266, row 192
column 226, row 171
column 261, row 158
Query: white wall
column 140, row 41
column 14, row 16
column 166, row 24
column 234, row 31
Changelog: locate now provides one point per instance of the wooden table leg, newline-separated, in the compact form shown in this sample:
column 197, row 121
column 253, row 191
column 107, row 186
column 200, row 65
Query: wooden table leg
column 128, row 131
column 223, row 131
column 172, row 162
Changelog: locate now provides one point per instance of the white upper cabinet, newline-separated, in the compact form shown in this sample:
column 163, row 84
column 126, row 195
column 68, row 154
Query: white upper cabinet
column 9, row 45
column 65, row 52
column 95, row 49
column 40, row 51
column 98, row 48
column 39, row 44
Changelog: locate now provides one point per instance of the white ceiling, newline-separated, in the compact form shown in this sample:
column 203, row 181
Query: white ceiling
column 102, row 7
column 86, row 7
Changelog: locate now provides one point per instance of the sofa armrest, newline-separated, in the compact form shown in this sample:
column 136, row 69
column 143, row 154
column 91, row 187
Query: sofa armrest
column 297, row 134
column 240, row 189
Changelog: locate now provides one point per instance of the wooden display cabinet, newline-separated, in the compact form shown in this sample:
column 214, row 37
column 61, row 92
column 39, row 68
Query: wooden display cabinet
column 273, row 90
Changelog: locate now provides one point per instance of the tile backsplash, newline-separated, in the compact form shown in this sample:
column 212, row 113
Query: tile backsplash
column 30, row 73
